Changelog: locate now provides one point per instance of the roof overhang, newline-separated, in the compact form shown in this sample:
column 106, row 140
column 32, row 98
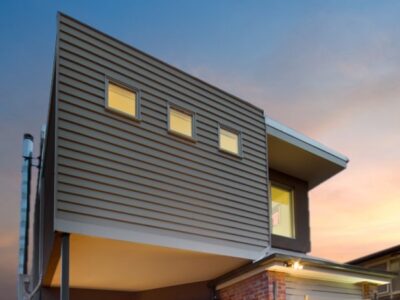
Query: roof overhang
column 311, row 269
column 105, row 264
column 295, row 154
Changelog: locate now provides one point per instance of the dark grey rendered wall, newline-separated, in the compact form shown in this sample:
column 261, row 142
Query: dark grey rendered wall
column 133, row 176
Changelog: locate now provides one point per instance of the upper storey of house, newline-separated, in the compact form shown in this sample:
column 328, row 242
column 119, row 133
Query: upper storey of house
column 146, row 153
column 149, row 154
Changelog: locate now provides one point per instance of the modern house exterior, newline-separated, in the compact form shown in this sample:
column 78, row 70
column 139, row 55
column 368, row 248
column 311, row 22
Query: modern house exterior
column 384, row 260
column 154, row 184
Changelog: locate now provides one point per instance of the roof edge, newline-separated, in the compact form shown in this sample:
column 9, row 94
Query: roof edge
column 292, row 136
column 306, row 260
column 374, row 255
column 164, row 63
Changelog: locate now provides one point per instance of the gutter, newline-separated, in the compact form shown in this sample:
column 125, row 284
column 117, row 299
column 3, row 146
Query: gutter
column 281, row 260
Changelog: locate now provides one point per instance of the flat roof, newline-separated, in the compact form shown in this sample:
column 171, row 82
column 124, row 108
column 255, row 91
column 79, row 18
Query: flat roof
column 298, row 155
column 278, row 129
column 381, row 253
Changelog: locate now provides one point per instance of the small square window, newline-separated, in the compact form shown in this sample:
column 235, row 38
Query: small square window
column 229, row 141
column 180, row 122
column 122, row 99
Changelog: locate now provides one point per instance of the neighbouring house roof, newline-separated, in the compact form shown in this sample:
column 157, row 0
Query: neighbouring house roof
column 388, row 251
column 312, row 268
column 293, row 153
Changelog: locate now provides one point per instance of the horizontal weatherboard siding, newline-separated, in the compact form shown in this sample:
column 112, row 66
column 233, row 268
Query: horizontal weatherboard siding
column 296, row 288
column 150, row 63
column 115, row 172
column 153, row 92
column 95, row 79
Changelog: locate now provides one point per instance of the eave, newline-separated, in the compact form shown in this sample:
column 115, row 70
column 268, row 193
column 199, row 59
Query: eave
column 312, row 268
column 295, row 154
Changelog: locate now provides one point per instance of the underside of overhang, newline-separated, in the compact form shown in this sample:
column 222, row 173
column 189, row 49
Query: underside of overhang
column 98, row 263
column 294, row 161
column 295, row 154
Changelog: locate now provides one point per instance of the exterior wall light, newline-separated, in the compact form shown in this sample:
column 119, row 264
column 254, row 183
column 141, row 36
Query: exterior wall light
column 296, row 265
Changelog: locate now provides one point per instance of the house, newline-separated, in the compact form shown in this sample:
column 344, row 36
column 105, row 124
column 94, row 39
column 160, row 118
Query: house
column 384, row 260
column 154, row 184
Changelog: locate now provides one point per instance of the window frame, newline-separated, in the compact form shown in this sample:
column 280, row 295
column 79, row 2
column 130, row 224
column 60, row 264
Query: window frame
column 302, row 241
column 240, row 144
column 137, row 91
column 293, row 207
column 172, row 106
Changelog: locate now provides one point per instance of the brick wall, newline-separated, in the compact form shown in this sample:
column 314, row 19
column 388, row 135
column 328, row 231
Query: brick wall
column 368, row 291
column 263, row 286
column 277, row 279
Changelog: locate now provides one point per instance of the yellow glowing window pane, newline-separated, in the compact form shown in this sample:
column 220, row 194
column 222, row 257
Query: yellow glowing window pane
column 229, row 141
column 282, row 212
column 181, row 122
column 121, row 99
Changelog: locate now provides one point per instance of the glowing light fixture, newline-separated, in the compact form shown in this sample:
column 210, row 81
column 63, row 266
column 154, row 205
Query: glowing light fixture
column 296, row 265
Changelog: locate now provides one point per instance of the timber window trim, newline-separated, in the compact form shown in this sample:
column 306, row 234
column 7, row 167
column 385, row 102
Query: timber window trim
column 110, row 81
column 172, row 107
column 221, row 128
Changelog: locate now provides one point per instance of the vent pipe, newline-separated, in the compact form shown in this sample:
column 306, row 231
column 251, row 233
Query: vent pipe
column 27, row 152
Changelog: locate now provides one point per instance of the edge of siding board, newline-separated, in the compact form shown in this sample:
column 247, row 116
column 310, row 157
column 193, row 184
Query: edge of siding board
column 56, row 116
column 141, row 237
column 181, row 72
column 300, row 140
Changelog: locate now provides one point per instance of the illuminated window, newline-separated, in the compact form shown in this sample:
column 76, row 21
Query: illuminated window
column 180, row 122
column 282, row 211
column 229, row 141
column 122, row 100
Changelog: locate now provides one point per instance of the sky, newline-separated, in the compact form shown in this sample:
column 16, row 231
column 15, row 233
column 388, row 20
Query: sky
column 329, row 69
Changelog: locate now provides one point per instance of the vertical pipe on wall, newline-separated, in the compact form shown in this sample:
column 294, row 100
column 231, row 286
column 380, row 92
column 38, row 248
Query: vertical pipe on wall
column 27, row 152
column 64, row 289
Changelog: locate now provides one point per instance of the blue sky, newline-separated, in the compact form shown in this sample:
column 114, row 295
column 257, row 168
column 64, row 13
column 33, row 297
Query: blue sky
column 330, row 69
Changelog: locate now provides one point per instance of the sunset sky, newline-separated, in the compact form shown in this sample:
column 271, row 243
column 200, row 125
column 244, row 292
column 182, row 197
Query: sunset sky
column 329, row 69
